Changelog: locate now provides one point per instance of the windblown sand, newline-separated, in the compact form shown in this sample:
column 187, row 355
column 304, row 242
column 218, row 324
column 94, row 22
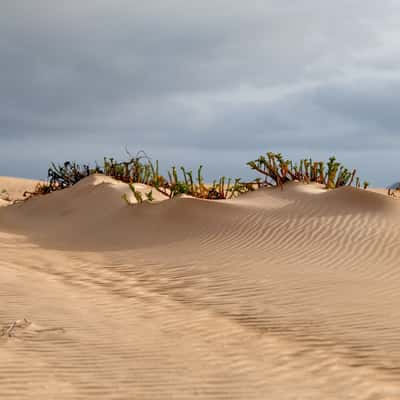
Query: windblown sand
column 291, row 294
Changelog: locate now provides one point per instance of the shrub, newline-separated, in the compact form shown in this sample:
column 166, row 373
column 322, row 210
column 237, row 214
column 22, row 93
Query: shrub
column 219, row 190
column 65, row 175
column 277, row 171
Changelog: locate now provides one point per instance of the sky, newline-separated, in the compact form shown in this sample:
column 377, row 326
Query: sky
column 212, row 82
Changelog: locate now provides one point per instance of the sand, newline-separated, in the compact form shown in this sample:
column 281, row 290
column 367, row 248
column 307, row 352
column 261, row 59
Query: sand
column 279, row 294
column 13, row 188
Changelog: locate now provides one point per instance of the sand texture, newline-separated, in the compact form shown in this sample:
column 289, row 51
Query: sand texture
column 279, row 294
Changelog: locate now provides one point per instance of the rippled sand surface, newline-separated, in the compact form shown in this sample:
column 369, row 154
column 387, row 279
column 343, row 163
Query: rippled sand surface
column 289, row 294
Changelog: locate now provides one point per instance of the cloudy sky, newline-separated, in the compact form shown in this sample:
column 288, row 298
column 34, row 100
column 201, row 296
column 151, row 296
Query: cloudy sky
column 216, row 82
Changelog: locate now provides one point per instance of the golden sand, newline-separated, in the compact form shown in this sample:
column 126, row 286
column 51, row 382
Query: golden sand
column 279, row 294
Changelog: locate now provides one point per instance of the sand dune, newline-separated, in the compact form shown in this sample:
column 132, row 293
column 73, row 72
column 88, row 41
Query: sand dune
column 13, row 188
column 279, row 294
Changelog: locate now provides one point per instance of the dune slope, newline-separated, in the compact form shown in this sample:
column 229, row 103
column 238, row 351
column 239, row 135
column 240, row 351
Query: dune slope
column 278, row 294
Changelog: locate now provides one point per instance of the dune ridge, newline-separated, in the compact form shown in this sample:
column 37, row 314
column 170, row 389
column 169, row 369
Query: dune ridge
column 279, row 294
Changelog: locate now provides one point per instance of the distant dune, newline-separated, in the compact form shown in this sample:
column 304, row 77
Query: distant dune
column 278, row 294
column 14, row 188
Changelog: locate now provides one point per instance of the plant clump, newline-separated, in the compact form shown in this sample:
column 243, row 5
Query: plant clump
column 67, row 174
column 220, row 189
column 277, row 171
column 394, row 189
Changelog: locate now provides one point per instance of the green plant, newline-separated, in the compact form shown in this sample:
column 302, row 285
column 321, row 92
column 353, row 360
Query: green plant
column 138, row 195
column 274, row 168
column 67, row 174
column 149, row 195
column 137, row 169
column 221, row 189
column 277, row 171
column 41, row 188
column 393, row 189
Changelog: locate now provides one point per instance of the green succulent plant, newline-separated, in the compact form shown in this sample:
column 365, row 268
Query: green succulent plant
column 273, row 167
column 278, row 171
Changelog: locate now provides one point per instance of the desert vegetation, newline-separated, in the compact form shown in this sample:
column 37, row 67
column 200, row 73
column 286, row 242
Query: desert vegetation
column 275, row 170
column 394, row 189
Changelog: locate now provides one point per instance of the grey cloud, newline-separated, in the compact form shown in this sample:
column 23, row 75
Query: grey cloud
column 372, row 103
column 89, row 77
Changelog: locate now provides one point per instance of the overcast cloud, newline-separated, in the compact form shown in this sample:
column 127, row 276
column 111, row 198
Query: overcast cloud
column 216, row 82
